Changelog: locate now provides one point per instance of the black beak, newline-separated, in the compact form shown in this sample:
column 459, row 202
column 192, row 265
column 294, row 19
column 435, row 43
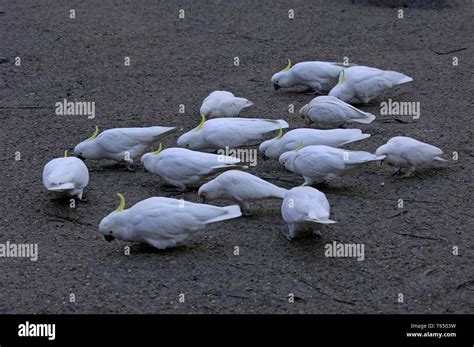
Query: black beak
column 109, row 238
column 203, row 198
column 276, row 86
column 81, row 157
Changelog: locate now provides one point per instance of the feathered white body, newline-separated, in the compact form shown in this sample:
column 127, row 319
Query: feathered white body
column 121, row 144
column 305, row 208
column 308, row 137
column 361, row 84
column 163, row 222
column 408, row 153
column 229, row 132
column 312, row 74
column 318, row 164
column 241, row 187
column 182, row 167
column 66, row 177
column 221, row 103
column 329, row 111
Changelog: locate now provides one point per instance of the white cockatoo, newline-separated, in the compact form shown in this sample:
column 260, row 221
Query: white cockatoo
column 162, row 222
column 221, row 103
column 315, row 75
column 120, row 144
column 329, row 111
column 408, row 153
column 319, row 164
column 305, row 208
column 240, row 187
column 308, row 137
column 66, row 177
column 182, row 167
column 361, row 84
column 220, row 133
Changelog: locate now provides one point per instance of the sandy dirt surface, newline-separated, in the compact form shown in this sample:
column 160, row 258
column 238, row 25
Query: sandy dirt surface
column 173, row 62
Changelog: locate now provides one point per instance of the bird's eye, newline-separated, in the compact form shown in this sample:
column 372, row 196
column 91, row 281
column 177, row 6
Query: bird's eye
column 110, row 232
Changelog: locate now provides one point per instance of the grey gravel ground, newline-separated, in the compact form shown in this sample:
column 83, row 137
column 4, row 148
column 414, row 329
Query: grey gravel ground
column 176, row 62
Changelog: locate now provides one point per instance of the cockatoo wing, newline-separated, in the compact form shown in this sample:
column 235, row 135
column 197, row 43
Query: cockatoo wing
column 235, row 132
column 310, row 163
column 121, row 139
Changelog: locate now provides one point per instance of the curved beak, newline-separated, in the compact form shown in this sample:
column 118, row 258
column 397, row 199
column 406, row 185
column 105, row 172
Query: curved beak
column 109, row 238
column 81, row 157
column 276, row 86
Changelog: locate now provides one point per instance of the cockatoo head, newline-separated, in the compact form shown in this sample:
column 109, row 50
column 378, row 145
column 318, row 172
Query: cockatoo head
column 88, row 149
column 209, row 191
column 340, row 90
column 193, row 139
column 284, row 78
column 381, row 151
column 148, row 159
column 304, row 114
column 115, row 225
column 272, row 148
column 287, row 160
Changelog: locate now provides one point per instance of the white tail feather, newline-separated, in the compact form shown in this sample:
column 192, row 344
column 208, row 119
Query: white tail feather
column 232, row 211
column 61, row 187
column 369, row 118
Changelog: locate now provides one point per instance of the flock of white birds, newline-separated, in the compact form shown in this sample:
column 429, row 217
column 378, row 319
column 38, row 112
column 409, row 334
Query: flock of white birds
column 312, row 153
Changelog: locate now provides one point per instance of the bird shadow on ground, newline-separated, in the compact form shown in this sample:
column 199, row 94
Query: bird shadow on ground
column 420, row 174
column 113, row 167
column 339, row 190
column 303, row 92
column 143, row 248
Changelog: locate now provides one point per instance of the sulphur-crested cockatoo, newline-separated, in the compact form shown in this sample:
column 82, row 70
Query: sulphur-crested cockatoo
column 408, row 153
column 220, row 133
column 120, row 144
column 66, row 177
column 319, row 164
column 162, row 222
column 182, row 167
column 361, row 84
column 305, row 208
column 221, row 103
column 241, row 187
column 315, row 75
column 329, row 111
column 308, row 137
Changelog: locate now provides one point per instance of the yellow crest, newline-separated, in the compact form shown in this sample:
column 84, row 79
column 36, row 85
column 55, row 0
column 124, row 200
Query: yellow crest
column 301, row 145
column 280, row 134
column 94, row 135
column 158, row 150
column 343, row 77
column 288, row 67
column 121, row 206
column 203, row 120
